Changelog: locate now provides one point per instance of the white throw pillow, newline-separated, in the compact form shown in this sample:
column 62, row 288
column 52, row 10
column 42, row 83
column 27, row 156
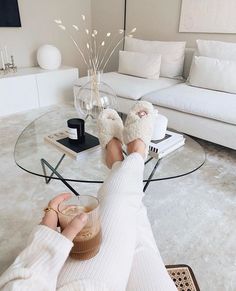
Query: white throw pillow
column 215, row 74
column 172, row 54
column 216, row 49
column 139, row 64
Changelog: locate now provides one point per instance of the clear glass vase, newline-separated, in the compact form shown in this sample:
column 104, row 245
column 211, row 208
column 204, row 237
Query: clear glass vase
column 94, row 96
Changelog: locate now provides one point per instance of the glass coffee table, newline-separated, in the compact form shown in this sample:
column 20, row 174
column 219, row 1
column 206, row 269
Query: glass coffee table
column 36, row 156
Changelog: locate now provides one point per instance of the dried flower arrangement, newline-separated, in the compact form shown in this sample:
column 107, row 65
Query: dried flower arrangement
column 97, row 54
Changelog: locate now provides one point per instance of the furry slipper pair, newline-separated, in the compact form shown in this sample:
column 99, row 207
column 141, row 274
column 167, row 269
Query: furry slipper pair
column 138, row 125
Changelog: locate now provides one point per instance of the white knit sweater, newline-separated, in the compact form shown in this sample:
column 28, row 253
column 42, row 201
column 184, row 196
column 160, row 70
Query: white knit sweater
column 38, row 265
column 128, row 258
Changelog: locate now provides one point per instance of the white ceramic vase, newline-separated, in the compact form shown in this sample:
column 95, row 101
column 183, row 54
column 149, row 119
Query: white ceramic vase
column 49, row 57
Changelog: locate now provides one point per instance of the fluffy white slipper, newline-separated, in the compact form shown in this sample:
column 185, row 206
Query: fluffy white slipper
column 109, row 126
column 140, row 127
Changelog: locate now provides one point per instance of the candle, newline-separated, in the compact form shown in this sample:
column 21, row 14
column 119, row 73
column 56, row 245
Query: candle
column 160, row 127
column 76, row 131
column 6, row 53
column 2, row 59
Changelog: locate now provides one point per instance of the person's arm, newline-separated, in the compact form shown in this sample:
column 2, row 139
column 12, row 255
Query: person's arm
column 38, row 265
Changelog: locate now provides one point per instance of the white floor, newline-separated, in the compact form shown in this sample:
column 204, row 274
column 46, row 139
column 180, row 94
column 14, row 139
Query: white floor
column 193, row 217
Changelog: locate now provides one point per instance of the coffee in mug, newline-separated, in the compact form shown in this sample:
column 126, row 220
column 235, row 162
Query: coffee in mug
column 87, row 242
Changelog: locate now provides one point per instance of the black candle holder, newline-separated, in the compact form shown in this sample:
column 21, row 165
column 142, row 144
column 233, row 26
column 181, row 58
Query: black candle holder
column 76, row 131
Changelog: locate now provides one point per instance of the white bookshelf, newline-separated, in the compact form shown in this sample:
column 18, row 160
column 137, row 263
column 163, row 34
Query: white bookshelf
column 34, row 87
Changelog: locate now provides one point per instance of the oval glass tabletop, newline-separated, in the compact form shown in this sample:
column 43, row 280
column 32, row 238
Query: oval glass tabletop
column 31, row 150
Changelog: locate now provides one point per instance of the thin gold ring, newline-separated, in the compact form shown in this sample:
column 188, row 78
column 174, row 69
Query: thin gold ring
column 48, row 208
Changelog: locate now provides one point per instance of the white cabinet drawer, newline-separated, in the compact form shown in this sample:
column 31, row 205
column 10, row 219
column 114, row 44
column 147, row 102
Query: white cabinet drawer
column 56, row 87
column 30, row 88
column 18, row 94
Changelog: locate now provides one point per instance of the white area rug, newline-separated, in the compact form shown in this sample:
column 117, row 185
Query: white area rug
column 193, row 217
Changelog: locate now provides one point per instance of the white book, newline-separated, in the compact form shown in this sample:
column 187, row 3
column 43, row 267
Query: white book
column 171, row 149
column 61, row 142
column 168, row 144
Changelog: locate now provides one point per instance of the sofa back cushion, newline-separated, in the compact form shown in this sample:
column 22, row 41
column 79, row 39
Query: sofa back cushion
column 172, row 54
column 139, row 64
column 215, row 74
column 189, row 55
column 216, row 49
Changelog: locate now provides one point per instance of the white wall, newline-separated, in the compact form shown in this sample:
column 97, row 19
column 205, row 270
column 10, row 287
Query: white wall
column 107, row 16
column 154, row 19
column 38, row 28
column 160, row 19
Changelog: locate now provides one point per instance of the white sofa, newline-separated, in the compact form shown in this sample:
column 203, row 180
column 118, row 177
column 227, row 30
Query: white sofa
column 207, row 114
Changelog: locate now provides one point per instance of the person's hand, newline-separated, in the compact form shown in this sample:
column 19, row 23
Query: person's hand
column 50, row 218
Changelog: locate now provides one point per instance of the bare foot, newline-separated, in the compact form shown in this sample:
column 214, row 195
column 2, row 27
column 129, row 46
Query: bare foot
column 136, row 146
column 142, row 113
column 113, row 152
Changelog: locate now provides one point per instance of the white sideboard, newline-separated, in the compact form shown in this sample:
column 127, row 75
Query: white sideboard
column 34, row 87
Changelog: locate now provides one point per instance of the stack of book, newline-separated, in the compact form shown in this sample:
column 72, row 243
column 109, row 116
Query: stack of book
column 171, row 142
column 157, row 148
column 61, row 142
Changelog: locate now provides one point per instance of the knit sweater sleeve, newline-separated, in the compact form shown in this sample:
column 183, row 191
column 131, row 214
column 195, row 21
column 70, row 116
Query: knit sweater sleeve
column 38, row 265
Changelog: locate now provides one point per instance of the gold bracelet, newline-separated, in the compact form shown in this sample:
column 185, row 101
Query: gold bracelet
column 47, row 209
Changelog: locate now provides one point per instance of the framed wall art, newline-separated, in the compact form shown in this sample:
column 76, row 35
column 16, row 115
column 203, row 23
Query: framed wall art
column 208, row 16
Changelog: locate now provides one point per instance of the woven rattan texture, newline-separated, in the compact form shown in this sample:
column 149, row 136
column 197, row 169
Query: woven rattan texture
column 182, row 279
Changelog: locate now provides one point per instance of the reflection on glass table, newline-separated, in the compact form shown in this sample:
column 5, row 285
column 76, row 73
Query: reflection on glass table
column 31, row 149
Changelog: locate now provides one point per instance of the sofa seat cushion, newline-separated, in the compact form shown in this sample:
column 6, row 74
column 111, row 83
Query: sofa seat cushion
column 216, row 105
column 132, row 87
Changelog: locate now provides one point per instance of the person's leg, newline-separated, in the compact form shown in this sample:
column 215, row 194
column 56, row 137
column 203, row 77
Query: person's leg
column 120, row 198
column 148, row 272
